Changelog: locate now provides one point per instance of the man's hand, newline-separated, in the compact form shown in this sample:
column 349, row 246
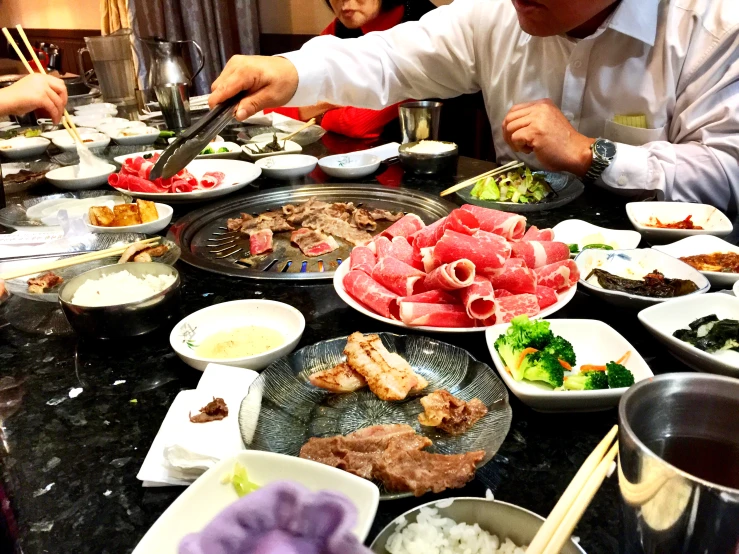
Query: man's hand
column 541, row 128
column 35, row 92
column 271, row 82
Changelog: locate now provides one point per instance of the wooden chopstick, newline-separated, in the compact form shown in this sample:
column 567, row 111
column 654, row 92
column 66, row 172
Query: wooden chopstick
column 74, row 260
column 469, row 182
column 305, row 126
column 564, row 516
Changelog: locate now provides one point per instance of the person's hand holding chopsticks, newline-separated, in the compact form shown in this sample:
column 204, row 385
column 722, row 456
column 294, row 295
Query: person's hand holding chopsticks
column 35, row 92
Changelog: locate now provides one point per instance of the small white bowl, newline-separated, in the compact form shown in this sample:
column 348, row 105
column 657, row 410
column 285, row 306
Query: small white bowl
column 151, row 227
column 202, row 501
column 66, row 177
column 291, row 166
column 594, row 343
column 23, row 147
column 713, row 220
column 303, row 138
column 231, row 315
column 90, row 120
column 110, row 126
column 140, row 136
column 704, row 244
column 91, row 140
column 96, row 108
column 350, row 166
column 634, row 264
column 51, row 135
column 575, row 231
column 251, row 149
column 662, row 320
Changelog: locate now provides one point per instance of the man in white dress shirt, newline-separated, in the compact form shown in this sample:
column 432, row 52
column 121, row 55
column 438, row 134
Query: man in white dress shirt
column 637, row 95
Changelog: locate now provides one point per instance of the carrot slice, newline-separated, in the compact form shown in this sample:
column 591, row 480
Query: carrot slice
column 565, row 365
column 525, row 352
column 590, row 367
column 625, row 358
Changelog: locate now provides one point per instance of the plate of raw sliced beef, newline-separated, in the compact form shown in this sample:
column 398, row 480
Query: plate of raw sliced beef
column 467, row 271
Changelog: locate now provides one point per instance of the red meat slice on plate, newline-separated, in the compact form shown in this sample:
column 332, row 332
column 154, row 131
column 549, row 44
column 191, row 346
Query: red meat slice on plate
column 558, row 276
column 369, row 292
column 212, row 179
column 363, row 259
column 547, row 296
column 515, row 277
column 508, row 307
column 540, row 253
column 435, row 315
column 479, row 298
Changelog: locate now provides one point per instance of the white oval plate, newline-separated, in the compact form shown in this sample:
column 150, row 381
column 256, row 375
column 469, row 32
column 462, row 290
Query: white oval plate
column 290, row 148
column 234, row 152
column 594, row 342
column 23, row 147
column 343, row 269
column 634, row 264
column 703, row 244
column 98, row 140
column 290, row 166
column 65, row 177
column 51, row 135
column 350, row 166
column 662, row 320
column 575, row 231
column 48, row 210
column 713, row 220
column 238, row 175
column 151, row 227
column 149, row 135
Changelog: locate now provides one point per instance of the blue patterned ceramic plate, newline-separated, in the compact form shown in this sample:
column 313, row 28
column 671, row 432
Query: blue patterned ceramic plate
column 283, row 410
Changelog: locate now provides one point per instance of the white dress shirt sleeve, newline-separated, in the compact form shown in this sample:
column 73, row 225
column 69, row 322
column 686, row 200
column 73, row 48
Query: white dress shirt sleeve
column 700, row 160
column 430, row 58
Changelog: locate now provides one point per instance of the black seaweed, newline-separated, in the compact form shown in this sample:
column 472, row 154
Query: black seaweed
column 654, row 285
column 722, row 334
column 701, row 321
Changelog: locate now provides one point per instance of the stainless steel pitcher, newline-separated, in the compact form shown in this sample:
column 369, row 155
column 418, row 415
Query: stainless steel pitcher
column 169, row 78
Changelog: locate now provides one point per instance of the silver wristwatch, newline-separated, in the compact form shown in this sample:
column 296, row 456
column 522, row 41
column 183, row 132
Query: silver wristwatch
column 603, row 153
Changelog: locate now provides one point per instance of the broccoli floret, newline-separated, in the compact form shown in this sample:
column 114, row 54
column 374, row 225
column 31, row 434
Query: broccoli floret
column 587, row 380
column 619, row 376
column 542, row 366
column 521, row 334
column 562, row 349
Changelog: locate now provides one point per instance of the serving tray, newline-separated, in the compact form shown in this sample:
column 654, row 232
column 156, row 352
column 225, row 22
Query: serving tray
column 207, row 244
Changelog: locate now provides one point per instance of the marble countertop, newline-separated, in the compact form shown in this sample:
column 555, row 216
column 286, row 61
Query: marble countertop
column 78, row 427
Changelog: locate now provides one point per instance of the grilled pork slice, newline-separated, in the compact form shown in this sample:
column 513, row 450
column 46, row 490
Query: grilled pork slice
column 337, row 227
column 378, row 215
column 313, row 243
column 449, row 413
column 148, row 254
column 40, row 284
column 340, row 378
column 132, row 250
column 362, row 219
column 296, row 214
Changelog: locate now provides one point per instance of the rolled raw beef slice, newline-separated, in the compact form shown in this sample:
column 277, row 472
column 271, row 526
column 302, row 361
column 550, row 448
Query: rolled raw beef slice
column 435, row 315
column 487, row 251
column 451, row 276
column 400, row 249
column 429, row 235
column 382, row 246
column 369, row 292
column 509, row 225
column 428, row 260
column 540, row 253
column 502, row 293
column 515, row 277
column 430, row 297
column 558, row 276
column 404, row 227
column 398, row 277
column 461, row 221
column 362, row 259
column 512, row 306
column 479, row 298
column 534, row 233
column 547, row 296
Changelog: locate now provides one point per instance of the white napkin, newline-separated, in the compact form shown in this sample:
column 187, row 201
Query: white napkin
column 183, row 450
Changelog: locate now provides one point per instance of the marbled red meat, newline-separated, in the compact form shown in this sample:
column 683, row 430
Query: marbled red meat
column 435, row 315
column 260, row 242
column 508, row 307
column 429, row 235
column 369, row 292
column 451, row 276
column 502, row 293
column 134, row 176
column 404, row 227
column 540, row 253
column 363, row 259
column 313, row 243
column 547, row 296
column 487, row 251
column 515, row 277
column 534, row 233
column 462, row 221
column 558, row 276
column 400, row 249
column 398, row 277
column 212, row 179
column 479, row 298
column 509, row 225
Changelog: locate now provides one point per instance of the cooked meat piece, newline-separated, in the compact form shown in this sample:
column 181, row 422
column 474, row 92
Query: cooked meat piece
column 234, row 224
column 340, row 378
column 274, row 221
column 131, row 251
column 142, row 256
column 362, row 219
column 149, row 253
column 401, row 469
column 212, row 411
column 42, row 283
column 379, row 215
column 313, row 243
column 260, row 241
column 296, row 214
column 337, row 227
column 396, row 360
column 340, row 210
column 388, row 377
column 449, row 413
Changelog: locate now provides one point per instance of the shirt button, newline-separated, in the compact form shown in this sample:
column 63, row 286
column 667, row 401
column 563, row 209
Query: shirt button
column 622, row 180
column 577, row 64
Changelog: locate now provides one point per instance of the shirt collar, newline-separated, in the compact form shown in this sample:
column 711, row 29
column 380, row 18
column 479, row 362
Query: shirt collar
column 637, row 19
column 385, row 20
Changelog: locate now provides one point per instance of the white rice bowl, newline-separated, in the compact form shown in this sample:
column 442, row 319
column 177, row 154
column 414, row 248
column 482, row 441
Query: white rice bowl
column 435, row 534
column 121, row 287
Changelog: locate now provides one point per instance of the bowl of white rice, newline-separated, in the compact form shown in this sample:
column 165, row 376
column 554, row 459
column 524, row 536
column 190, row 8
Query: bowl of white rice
column 429, row 157
column 463, row 526
column 121, row 300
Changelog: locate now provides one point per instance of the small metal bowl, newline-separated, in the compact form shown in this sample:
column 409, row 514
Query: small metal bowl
column 499, row 518
column 444, row 163
column 121, row 320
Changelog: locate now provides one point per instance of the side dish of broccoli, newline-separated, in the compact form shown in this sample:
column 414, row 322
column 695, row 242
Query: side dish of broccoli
column 522, row 334
column 561, row 349
column 587, row 380
column 618, row 376
column 542, row 366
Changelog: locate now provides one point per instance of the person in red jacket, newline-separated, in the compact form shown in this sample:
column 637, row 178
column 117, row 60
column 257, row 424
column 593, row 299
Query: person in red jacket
column 355, row 18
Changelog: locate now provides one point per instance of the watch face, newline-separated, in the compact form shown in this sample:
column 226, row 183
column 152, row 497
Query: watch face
column 605, row 149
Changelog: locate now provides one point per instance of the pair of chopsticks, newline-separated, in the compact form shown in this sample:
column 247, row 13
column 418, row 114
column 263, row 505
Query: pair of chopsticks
column 67, row 119
column 74, row 260
column 558, row 527
column 296, row 133
column 493, row 172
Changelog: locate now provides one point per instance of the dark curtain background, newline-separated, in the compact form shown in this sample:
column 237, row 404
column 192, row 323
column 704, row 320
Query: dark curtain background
column 222, row 28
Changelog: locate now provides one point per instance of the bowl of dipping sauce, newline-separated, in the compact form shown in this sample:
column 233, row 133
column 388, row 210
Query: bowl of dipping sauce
column 429, row 157
column 121, row 300
column 243, row 333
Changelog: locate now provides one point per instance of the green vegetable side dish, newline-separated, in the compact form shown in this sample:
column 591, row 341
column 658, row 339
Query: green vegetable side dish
column 32, row 133
column 531, row 352
column 711, row 334
column 210, row 150
column 518, row 187
column 239, row 479
column 575, row 249
column 166, row 134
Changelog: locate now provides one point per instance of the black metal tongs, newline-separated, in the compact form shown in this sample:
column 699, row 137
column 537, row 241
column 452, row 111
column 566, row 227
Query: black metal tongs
column 192, row 141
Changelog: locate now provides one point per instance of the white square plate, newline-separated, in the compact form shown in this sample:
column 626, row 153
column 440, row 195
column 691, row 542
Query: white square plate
column 704, row 244
column 663, row 320
column 713, row 220
column 207, row 497
column 594, row 343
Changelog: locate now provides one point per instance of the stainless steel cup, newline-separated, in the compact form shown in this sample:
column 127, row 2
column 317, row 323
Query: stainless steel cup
column 667, row 510
column 420, row 120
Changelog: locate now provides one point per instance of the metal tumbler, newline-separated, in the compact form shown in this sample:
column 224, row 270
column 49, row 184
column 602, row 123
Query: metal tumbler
column 420, row 120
